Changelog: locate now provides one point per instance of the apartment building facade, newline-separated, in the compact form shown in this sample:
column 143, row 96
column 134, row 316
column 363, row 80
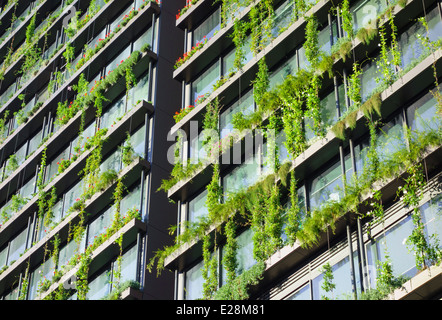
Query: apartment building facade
column 82, row 133
column 335, row 108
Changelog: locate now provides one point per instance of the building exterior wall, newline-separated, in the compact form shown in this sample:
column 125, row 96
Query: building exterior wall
column 83, row 117
column 393, row 88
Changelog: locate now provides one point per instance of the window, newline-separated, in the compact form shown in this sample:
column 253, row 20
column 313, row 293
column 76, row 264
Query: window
column 194, row 282
column 369, row 76
column 44, row 272
column 325, row 186
column 245, row 105
column 129, row 265
column 301, row 294
column 118, row 60
column 197, row 207
column 131, row 201
column 112, row 162
column 115, row 111
column 342, row 280
column 432, row 217
column 329, row 115
column 197, row 149
column 17, row 246
column 118, row 19
column 422, row 115
column 204, row 83
column 242, row 176
column 99, row 225
column 393, row 242
column 391, row 138
column 365, row 11
column 100, row 286
column 244, row 254
column 207, row 28
column 145, row 38
column 139, row 92
column 290, row 66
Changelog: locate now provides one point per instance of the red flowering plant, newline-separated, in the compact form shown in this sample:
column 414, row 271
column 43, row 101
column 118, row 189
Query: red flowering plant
column 182, row 113
column 187, row 55
column 182, row 11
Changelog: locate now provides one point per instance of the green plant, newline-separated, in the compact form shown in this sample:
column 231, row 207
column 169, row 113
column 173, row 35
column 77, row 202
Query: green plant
column 127, row 151
column 328, row 285
column 426, row 253
column 347, row 21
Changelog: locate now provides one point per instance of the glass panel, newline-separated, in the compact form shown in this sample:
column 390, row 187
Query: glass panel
column 145, row 38
column 34, row 142
column 194, row 282
column 67, row 252
column 138, row 140
column 208, row 28
column 422, row 115
column 116, row 22
column 301, row 294
column 3, row 256
column 324, row 187
column 115, row 111
column 228, row 61
column 197, row 207
column 391, row 138
column 97, row 39
column 131, row 201
column 241, row 177
column 244, row 254
column 129, row 265
column 394, row 241
column 140, row 91
column 52, row 169
column 99, row 225
column 197, row 149
column 278, row 76
column 17, row 246
column 72, row 196
column 204, row 83
column 329, row 115
column 368, row 79
column 364, row 11
column 283, row 153
column 434, row 25
column 118, row 60
column 245, row 105
column 283, row 18
column 113, row 162
column 361, row 151
column 13, row 295
column 432, row 217
column 342, row 280
column 99, row 287
column 302, row 212
column 44, row 272
column 27, row 191
column 324, row 40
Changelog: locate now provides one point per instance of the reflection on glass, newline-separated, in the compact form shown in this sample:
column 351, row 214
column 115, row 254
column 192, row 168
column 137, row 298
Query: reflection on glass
column 194, row 282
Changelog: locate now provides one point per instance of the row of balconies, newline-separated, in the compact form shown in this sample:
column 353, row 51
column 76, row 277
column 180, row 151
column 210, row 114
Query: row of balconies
column 404, row 90
column 138, row 115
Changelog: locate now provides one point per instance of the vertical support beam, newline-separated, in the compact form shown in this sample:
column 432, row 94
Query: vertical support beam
column 352, row 264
